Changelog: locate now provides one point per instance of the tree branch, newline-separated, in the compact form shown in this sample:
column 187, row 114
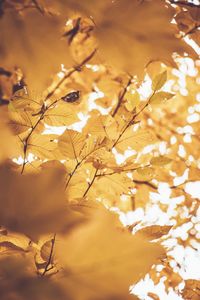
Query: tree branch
column 91, row 183
column 121, row 97
column 44, row 109
column 76, row 68
column 132, row 120
column 121, row 171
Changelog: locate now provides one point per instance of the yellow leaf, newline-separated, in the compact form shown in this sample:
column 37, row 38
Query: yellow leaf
column 71, row 143
column 93, row 146
column 135, row 140
column 11, row 243
column 38, row 54
column 101, row 126
column 132, row 100
column 42, row 145
column 35, row 204
column 159, row 80
column 160, row 97
column 17, row 269
column 61, row 115
column 154, row 232
column 20, row 121
column 142, row 30
column 160, row 161
column 116, row 185
column 100, row 256
column 146, row 173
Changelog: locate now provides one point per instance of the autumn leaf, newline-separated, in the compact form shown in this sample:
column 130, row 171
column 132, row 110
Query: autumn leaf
column 191, row 290
column 87, row 130
column 160, row 97
column 154, row 232
column 135, row 140
column 71, row 143
column 61, row 115
column 148, row 29
column 145, row 173
column 38, row 204
column 34, row 48
column 132, row 101
column 101, row 257
column 160, row 161
column 159, row 80
column 15, row 270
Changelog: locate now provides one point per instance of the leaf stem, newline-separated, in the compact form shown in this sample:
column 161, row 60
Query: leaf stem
column 132, row 120
column 76, row 68
column 50, row 255
column 91, row 183
column 123, row 170
column 71, row 175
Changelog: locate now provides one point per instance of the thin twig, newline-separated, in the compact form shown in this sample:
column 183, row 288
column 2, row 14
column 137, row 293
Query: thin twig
column 121, row 96
column 43, row 112
column 145, row 182
column 191, row 31
column 121, row 171
column 132, row 120
column 38, row 7
column 91, row 183
column 77, row 68
column 50, row 256
column 72, row 174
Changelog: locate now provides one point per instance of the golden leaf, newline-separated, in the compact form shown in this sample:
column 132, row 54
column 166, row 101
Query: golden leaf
column 159, row 80
column 132, row 100
column 147, row 36
column 146, row 173
column 35, row 203
column 71, row 143
column 12, row 243
column 101, row 257
column 101, row 126
column 17, row 269
column 135, row 140
column 63, row 114
column 154, row 232
column 160, row 161
column 36, row 52
column 42, row 146
column 160, row 97
column 20, row 121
